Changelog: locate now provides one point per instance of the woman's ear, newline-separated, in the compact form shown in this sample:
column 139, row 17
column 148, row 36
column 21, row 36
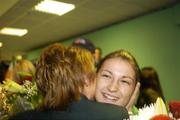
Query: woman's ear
column 89, row 89
column 90, row 79
column 86, row 81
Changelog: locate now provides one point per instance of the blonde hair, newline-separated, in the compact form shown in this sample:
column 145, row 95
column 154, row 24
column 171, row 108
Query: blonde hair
column 20, row 66
column 56, row 79
column 87, row 64
column 59, row 75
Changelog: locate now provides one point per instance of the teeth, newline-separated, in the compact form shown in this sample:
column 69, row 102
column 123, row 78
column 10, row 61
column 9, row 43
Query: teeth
column 110, row 97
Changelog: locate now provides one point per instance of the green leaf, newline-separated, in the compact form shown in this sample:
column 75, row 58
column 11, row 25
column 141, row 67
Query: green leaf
column 24, row 74
column 135, row 110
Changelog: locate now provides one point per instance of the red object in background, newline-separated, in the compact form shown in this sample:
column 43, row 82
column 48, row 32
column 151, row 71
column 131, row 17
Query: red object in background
column 174, row 107
column 161, row 117
column 29, row 78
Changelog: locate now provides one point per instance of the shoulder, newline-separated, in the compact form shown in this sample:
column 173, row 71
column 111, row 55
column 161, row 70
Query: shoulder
column 112, row 111
column 102, row 110
column 30, row 115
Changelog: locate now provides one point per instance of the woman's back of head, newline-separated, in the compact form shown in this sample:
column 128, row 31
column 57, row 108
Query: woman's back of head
column 149, row 78
column 150, row 87
column 84, row 61
column 56, row 77
column 85, row 71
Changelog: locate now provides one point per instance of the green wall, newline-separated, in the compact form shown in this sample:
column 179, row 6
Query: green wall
column 153, row 39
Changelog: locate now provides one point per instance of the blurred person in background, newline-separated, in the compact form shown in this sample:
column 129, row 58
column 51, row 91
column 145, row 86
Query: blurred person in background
column 98, row 54
column 3, row 70
column 88, row 45
column 150, row 88
column 20, row 70
column 18, row 89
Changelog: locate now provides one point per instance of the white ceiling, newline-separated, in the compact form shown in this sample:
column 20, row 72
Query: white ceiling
column 89, row 15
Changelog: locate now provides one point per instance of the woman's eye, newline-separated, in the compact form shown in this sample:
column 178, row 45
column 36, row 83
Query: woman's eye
column 125, row 82
column 106, row 76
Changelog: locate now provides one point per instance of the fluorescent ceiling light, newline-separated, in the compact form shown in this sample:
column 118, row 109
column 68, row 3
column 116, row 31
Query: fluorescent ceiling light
column 19, row 57
column 1, row 44
column 54, row 7
column 13, row 31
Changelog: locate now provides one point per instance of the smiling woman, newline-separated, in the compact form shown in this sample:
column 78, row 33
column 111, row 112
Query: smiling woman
column 117, row 78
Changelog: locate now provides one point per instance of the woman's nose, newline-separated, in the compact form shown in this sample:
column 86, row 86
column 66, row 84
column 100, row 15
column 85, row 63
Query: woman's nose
column 113, row 86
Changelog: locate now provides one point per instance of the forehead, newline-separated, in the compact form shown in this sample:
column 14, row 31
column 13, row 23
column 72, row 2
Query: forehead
column 118, row 66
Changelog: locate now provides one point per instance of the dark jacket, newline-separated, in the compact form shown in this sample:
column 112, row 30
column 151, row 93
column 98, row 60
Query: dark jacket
column 82, row 110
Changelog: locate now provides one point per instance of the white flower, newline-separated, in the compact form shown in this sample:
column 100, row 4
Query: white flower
column 145, row 113
column 148, row 112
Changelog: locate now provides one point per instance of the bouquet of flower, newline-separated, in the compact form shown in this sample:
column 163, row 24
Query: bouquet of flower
column 155, row 111
column 174, row 107
column 15, row 98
